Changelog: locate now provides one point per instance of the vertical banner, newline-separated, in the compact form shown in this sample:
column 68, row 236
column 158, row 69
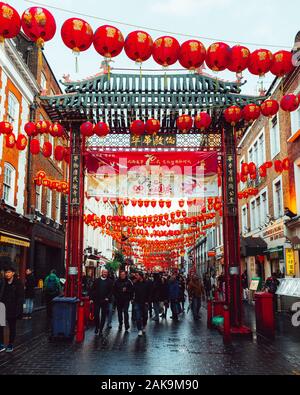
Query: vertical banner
column 290, row 262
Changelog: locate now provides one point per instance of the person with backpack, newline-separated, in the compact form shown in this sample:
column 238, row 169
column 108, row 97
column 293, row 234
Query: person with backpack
column 52, row 289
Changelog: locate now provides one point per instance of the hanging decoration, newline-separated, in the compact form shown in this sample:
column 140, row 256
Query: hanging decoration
column 35, row 147
column 56, row 130
column 233, row 115
column 239, row 59
column 59, row 153
column 101, row 129
column 87, row 129
column 218, row 56
column 137, row 128
column 251, row 112
column 260, row 62
column 47, row 149
column 108, row 41
column 152, row 126
column 10, row 22
column 290, row 103
column 184, row 123
column 282, row 63
column 269, row 108
column 30, row 129
column 21, row 142
column 192, row 54
column 166, row 51
column 10, row 140
column 138, row 46
column 203, row 121
column 6, row 128
column 42, row 127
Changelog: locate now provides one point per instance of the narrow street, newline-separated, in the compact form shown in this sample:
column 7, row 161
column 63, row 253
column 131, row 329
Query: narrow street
column 183, row 348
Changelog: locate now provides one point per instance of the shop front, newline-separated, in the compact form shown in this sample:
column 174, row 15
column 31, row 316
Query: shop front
column 276, row 241
column 253, row 257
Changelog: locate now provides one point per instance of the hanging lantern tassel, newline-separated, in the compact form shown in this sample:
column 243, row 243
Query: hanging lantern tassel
column 40, row 44
column 76, row 53
column 166, row 78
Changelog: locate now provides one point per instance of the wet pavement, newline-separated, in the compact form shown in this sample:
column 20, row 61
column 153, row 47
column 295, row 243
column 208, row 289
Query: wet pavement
column 183, row 348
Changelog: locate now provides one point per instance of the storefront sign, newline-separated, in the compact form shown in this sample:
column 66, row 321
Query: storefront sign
column 153, row 141
column 17, row 242
column 75, row 180
column 290, row 262
column 274, row 233
column 254, row 284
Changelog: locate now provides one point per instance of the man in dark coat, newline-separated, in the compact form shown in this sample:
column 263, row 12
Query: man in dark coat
column 142, row 294
column 101, row 295
column 29, row 293
column 174, row 295
column 156, row 295
column 13, row 299
column 123, row 292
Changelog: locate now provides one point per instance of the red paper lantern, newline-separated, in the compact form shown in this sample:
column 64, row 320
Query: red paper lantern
column 251, row 112
column 282, row 63
column 263, row 171
column 286, row 164
column 101, row 129
column 6, row 128
column 30, row 129
column 181, row 203
column 245, row 169
column 67, row 155
column 252, row 168
column 278, row 166
column 203, row 121
column 39, row 25
column 10, row 140
column 239, row 58
column 138, row 46
column 169, row 203
column 233, row 115
column 47, row 149
column 108, row 41
column 59, row 153
column 260, row 62
column 56, row 130
column 43, row 127
column 218, row 56
column 22, row 142
column 87, row 129
column 166, row 51
column 192, row 54
column 137, row 128
column 184, row 123
column 35, row 147
column 289, row 103
column 153, row 203
column 269, row 164
column 152, row 126
column 10, row 22
column 269, row 108
column 77, row 34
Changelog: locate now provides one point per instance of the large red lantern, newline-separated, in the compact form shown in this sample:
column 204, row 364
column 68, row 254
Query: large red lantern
column 282, row 63
column 67, row 155
column 22, row 142
column 192, row 54
column 59, row 153
column 239, row 59
column 278, row 166
column 101, row 129
column 138, row 46
column 30, row 129
column 289, row 103
column 6, row 128
column 39, row 25
column 152, row 126
column 108, row 41
column 10, row 140
column 184, row 123
column 251, row 112
column 218, row 56
column 269, row 108
column 10, row 22
column 233, row 115
column 43, row 127
column 87, row 129
column 47, row 149
column 35, row 147
column 137, row 128
column 56, row 130
column 77, row 34
column 260, row 62
column 166, row 51
column 286, row 164
column 203, row 121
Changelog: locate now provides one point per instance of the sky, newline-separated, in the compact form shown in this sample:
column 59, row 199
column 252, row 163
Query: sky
column 270, row 24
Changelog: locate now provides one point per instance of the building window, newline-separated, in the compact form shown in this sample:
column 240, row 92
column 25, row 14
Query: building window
column 58, row 207
column 253, row 216
column 297, row 184
column 278, row 199
column 261, row 149
column 295, row 121
column 38, row 198
column 244, row 219
column 9, row 184
column 43, row 82
column 275, row 137
column 264, row 208
column 13, row 111
column 49, row 204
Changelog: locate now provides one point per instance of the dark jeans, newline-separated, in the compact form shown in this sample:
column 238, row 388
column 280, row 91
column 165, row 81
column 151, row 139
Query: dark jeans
column 141, row 315
column 103, row 309
column 196, row 305
column 12, row 326
column 123, row 308
column 156, row 307
column 174, row 309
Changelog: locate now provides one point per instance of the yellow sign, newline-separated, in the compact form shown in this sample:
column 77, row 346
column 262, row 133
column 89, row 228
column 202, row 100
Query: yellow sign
column 10, row 240
column 290, row 262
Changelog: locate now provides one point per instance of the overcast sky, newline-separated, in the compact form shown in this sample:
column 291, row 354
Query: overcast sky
column 264, row 22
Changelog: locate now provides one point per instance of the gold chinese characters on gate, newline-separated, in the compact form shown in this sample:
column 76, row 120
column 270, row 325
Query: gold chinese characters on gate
column 153, row 141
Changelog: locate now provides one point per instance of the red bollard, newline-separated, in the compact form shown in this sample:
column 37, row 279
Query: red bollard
column 209, row 314
column 226, row 334
column 80, row 323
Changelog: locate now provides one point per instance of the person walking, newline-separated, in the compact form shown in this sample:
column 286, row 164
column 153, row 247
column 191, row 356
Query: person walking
column 156, row 296
column 111, row 304
column 196, row 294
column 12, row 296
column 123, row 292
column 271, row 286
column 174, row 294
column 141, row 302
column 182, row 287
column 29, row 294
column 207, row 285
column 164, row 296
column 101, row 296
column 52, row 289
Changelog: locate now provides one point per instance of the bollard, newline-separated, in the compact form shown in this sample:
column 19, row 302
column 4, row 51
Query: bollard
column 226, row 333
column 80, row 323
column 209, row 314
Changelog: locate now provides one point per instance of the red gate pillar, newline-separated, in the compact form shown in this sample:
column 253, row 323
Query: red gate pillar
column 231, row 233
column 75, row 224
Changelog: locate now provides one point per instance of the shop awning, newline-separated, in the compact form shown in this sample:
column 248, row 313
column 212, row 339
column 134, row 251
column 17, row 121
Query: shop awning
column 10, row 238
column 274, row 250
column 253, row 246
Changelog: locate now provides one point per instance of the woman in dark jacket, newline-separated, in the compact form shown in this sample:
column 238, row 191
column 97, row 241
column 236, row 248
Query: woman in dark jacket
column 13, row 299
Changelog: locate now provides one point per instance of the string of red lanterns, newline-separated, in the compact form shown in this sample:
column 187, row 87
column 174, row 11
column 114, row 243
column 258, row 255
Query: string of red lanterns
column 54, row 185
